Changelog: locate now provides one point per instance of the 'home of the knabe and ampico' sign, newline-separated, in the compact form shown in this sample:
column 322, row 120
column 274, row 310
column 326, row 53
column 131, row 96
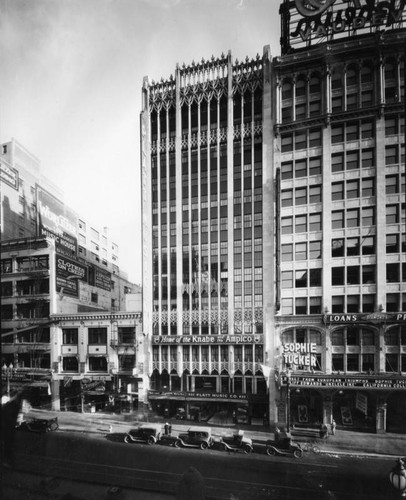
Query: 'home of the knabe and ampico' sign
column 308, row 22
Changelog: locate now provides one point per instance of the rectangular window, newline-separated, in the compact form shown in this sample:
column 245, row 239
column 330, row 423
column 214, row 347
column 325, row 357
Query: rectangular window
column 392, row 243
column 368, row 275
column 337, row 247
column 337, row 191
column 368, row 245
column 352, row 189
column 337, row 219
column 301, row 279
column 337, row 304
column 352, row 217
column 301, row 168
column 392, row 273
column 353, row 276
column 315, row 194
column 287, row 253
column 315, row 277
column 301, row 251
column 392, row 184
column 314, row 137
column 352, row 362
column 337, row 362
column 337, row 133
column 315, row 222
column 300, row 140
column 97, row 336
column 301, row 305
column 337, row 162
column 315, row 250
column 70, row 336
column 287, row 198
column 368, row 187
column 353, row 246
column 392, row 214
column 287, row 279
column 315, row 166
column 352, row 160
column 368, row 158
column 368, row 217
column 315, row 305
column 391, row 155
column 301, row 224
column 287, row 170
column 301, row 196
column 337, row 276
column 287, row 225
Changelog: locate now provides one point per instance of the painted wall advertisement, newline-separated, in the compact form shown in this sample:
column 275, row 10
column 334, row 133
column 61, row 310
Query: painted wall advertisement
column 68, row 275
column 57, row 222
column 9, row 175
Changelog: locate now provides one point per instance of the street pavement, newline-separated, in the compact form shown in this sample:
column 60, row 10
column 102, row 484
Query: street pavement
column 19, row 485
column 343, row 442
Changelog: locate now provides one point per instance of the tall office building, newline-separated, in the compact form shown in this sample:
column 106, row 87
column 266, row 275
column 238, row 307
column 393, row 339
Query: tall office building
column 274, row 225
column 340, row 169
column 207, row 226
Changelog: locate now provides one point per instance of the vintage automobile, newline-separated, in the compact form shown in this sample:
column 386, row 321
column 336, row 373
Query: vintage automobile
column 145, row 433
column 195, row 437
column 39, row 425
column 236, row 442
column 282, row 445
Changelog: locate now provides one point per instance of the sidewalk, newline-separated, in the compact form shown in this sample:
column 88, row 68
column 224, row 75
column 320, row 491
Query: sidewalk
column 343, row 442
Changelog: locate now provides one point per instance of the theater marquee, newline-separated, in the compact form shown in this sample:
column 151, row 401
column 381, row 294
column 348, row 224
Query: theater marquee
column 306, row 23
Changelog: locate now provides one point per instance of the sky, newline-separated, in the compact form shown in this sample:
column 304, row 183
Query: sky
column 70, row 88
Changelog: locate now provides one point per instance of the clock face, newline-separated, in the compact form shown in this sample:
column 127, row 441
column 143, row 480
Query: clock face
column 311, row 8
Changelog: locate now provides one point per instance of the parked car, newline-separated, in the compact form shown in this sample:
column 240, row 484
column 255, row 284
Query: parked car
column 236, row 442
column 145, row 433
column 282, row 445
column 39, row 425
column 195, row 437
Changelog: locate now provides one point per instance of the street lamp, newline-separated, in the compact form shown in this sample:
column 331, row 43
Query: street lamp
column 288, row 375
column 7, row 372
column 397, row 477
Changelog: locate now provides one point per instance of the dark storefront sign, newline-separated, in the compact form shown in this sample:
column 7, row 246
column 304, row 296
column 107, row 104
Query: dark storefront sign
column 394, row 383
column 102, row 279
column 208, row 339
column 68, row 272
column 201, row 396
column 93, row 385
column 362, row 318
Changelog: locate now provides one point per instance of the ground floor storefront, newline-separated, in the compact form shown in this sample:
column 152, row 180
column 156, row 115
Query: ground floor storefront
column 355, row 403
column 209, row 407
column 97, row 393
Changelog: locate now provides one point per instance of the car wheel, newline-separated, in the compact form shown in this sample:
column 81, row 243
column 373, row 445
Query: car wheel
column 54, row 426
column 270, row 451
column 204, row 445
column 316, row 449
column 298, row 453
column 150, row 440
column 247, row 449
column 176, row 444
column 127, row 439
